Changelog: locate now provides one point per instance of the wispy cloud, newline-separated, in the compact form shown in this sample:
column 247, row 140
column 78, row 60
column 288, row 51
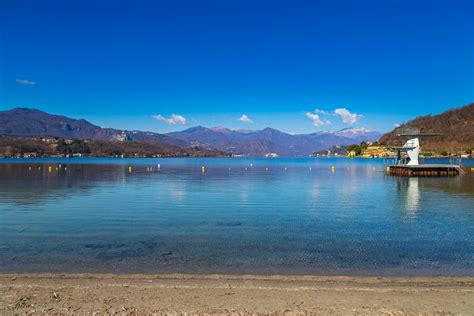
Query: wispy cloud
column 172, row 120
column 397, row 125
column 244, row 118
column 319, row 111
column 347, row 117
column 26, row 82
column 317, row 121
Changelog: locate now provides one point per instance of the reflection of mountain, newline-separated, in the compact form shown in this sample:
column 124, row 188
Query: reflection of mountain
column 23, row 186
column 462, row 185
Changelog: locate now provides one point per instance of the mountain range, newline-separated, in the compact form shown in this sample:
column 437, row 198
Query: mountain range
column 24, row 122
column 269, row 140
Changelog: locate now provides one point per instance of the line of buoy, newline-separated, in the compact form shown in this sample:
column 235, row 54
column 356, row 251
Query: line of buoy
column 203, row 168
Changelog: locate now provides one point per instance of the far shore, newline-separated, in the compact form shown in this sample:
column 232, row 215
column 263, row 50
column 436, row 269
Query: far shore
column 224, row 294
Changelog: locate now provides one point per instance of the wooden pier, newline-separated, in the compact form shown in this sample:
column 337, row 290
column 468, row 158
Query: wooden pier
column 425, row 170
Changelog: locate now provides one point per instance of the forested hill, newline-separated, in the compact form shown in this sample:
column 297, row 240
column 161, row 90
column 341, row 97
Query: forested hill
column 455, row 126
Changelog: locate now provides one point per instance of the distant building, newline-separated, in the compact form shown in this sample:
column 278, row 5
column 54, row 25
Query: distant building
column 122, row 137
column 377, row 151
column 30, row 155
column 272, row 155
column 49, row 140
column 352, row 154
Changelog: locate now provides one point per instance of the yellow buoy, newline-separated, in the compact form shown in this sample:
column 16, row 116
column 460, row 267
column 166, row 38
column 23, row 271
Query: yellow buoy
column 332, row 168
column 203, row 169
column 129, row 169
column 50, row 168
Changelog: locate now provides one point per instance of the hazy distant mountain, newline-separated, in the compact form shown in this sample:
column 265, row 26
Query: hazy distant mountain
column 29, row 122
column 260, row 142
column 455, row 126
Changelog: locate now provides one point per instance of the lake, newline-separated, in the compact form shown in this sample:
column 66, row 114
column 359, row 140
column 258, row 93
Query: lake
column 256, row 216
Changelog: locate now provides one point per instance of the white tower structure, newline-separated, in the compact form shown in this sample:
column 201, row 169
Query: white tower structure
column 412, row 147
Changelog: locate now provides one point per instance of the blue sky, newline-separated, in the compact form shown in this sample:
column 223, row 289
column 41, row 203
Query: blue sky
column 287, row 64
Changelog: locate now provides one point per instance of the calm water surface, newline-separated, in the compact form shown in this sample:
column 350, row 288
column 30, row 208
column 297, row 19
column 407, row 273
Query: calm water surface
column 93, row 215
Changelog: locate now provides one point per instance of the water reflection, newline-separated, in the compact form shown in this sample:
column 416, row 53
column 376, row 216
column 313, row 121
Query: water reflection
column 412, row 196
column 100, row 217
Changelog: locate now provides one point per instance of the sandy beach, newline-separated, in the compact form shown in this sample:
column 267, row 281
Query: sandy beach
column 217, row 294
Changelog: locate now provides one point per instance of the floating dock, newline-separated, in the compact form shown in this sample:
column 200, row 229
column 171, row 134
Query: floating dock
column 425, row 170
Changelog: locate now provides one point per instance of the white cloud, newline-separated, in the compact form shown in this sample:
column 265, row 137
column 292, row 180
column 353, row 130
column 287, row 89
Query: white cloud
column 347, row 117
column 318, row 111
column 317, row 121
column 172, row 120
column 396, row 125
column 245, row 118
column 25, row 82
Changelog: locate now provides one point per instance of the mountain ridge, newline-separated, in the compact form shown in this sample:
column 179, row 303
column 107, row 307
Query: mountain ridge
column 270, row 140
column 26, row 122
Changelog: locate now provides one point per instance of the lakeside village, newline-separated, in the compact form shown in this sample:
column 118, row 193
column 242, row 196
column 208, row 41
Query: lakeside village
column 376, row 150
column 57, row 147
column 33, row 147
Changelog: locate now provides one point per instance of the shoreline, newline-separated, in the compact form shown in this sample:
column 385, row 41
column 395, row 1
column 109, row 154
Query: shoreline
column 218, row 293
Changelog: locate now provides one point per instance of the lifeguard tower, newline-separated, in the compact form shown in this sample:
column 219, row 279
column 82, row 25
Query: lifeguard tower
column 410, row 165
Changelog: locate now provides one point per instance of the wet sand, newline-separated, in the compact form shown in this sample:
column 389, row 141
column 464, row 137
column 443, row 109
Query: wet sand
column 214, row 294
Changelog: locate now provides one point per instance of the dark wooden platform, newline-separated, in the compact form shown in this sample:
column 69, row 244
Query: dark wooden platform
column 425, row 170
